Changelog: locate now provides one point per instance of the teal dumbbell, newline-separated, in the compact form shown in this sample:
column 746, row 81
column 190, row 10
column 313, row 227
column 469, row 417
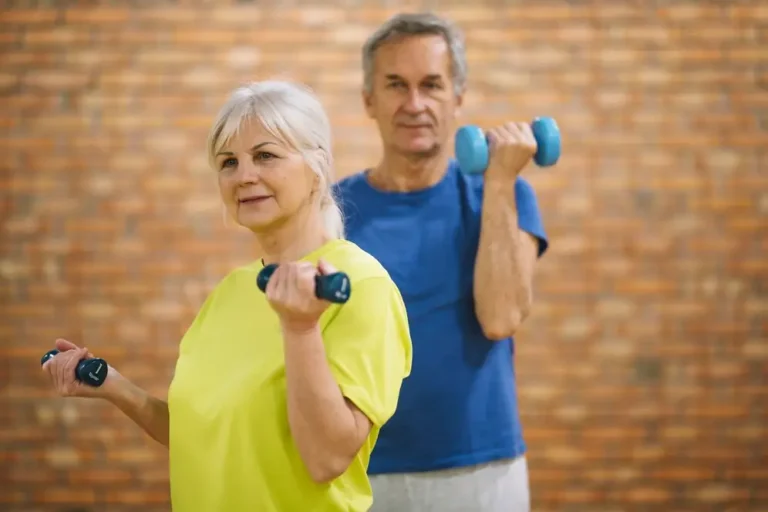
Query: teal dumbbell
column 472, row 145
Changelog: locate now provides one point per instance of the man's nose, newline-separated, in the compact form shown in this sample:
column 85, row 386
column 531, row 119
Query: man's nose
column 414, row 103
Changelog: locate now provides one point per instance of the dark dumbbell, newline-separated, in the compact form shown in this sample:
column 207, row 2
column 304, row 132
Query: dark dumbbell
column 471, row 145
column 331, row 287
column 91, row 371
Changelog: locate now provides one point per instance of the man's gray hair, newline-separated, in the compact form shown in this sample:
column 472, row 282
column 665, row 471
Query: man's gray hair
column 418, row 24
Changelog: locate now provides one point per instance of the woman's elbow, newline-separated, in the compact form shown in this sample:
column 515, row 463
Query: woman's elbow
column 327, row 468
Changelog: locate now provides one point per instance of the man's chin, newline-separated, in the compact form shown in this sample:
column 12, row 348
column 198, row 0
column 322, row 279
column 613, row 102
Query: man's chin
column 419, row 149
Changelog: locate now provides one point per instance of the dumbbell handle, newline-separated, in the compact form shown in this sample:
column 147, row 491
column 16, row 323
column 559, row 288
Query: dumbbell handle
column 331, row 287
column 91, row 371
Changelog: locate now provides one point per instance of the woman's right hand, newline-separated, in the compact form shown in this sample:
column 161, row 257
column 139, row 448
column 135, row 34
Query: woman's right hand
column 61, row 370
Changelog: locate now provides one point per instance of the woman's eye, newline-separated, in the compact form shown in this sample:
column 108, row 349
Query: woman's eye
column 263, row 155
column 229, row 162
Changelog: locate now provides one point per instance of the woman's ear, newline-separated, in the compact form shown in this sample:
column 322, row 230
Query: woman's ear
column 314, row 177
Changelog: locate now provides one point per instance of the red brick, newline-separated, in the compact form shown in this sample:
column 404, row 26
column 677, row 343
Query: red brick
column 613, row 476
column 27, row 17
column 195, row 36
column 56, row 80
column 718, row 493
column 13, row 496
column 136, row 497
column 103, row 476
column 97, row 16
column 64, row 496
column 647, row 495
column 580, row 495
column 236, row 15
column 169, row 15
column 57, row 36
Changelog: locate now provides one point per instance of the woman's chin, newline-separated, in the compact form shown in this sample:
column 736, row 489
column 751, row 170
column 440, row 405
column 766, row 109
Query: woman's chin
column 257, row 223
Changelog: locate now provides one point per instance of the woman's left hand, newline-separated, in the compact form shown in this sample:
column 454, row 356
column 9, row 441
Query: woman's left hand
column 291, row 293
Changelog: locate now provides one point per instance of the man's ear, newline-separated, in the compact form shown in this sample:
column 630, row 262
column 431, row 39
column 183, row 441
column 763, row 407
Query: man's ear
column 368, row 103
column 459, row 103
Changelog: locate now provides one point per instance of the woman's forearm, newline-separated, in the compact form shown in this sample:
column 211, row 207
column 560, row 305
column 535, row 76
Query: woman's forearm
column 148, row 412
column 326, row 428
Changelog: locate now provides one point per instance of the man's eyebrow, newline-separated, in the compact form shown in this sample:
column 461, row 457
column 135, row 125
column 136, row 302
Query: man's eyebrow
column 393, row 76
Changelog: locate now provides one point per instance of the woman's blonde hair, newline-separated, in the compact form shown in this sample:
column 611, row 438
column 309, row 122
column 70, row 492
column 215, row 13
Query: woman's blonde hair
column 291, row 113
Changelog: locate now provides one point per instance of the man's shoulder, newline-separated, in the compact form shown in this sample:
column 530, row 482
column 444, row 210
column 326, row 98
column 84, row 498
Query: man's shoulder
column 350, row 183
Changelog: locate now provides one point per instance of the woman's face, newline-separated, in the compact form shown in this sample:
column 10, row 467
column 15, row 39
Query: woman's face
column 262, row 182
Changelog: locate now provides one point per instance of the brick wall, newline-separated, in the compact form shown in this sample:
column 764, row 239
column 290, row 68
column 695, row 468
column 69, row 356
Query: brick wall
column 642, row 369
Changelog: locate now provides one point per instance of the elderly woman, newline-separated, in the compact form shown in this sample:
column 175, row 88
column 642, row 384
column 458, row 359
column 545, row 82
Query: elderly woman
column 278, row 397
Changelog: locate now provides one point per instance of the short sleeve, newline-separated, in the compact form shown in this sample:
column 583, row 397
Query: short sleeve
column 528, row 214
column 368, row 346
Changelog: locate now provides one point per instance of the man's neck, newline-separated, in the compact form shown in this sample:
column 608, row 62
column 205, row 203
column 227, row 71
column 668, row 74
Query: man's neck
column 299, row 236
column 398, row 173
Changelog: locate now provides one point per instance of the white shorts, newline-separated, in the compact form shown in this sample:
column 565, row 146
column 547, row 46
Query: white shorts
column 500, row 486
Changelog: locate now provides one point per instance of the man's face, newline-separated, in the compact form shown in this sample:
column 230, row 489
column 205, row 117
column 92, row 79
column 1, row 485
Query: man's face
column 412, row 98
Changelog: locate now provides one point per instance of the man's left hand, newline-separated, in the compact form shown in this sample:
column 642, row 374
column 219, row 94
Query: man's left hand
column 511, row 147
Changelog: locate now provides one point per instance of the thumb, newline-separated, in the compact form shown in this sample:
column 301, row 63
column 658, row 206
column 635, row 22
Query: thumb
column 63, row 345
column 326, row 268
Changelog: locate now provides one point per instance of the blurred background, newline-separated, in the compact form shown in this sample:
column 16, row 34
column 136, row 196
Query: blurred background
column 642, row 369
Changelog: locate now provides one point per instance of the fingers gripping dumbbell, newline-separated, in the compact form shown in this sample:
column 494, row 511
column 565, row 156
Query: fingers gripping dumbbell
column 472, row 145
column 91, row 371
column 331, row 287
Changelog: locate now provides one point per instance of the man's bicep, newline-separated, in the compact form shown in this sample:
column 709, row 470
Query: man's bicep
column 529, row 255
column 530, row 221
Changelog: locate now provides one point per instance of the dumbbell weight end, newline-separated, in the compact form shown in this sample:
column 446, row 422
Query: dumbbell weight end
column 91, row 371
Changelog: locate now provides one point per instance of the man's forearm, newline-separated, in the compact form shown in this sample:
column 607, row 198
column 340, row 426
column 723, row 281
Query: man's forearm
column 501, row 291
column 322, row 423
column 148, row 412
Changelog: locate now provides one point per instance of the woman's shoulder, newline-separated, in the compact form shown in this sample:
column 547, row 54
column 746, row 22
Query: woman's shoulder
column 371, row 284
column 357, row 263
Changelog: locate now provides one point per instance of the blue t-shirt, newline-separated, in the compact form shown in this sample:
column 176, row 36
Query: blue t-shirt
column 459, row 405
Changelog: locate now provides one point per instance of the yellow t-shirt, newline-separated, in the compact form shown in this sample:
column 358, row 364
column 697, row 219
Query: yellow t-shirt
column 231, row 448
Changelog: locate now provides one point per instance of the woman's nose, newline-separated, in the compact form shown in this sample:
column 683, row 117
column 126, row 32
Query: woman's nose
column 248, row 172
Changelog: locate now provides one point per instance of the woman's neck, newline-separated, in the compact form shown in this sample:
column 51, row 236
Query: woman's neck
column 299, row 236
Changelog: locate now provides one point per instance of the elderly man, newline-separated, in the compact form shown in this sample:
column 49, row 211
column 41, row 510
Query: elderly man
column 462, row 249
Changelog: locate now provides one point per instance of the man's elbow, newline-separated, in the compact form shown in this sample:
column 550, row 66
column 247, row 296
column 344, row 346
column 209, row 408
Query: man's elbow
column 500, row 327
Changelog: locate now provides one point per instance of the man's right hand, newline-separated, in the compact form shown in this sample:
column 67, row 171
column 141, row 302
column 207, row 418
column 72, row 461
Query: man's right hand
column 61, row 370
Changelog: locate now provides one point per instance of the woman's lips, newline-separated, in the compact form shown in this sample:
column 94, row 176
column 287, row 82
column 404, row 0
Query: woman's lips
column 253, row 199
